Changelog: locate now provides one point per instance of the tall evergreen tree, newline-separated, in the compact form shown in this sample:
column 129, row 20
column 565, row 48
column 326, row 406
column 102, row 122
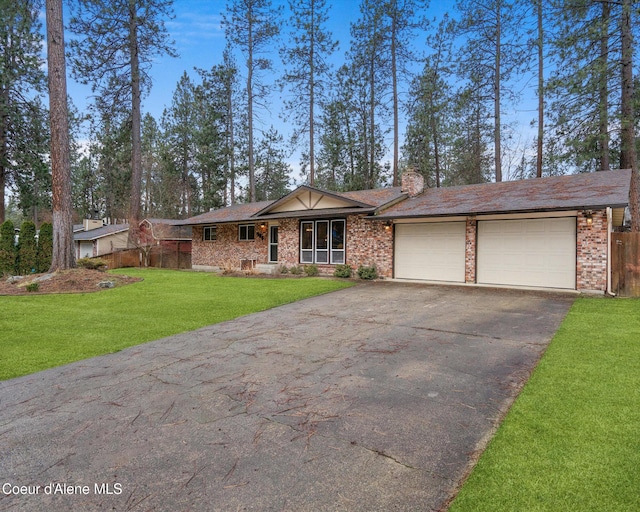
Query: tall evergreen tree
column 491, row 53
column 45, row 247
column 21, row 77
column 308, row 67
column 251, row 26
column 273, row 171
column 62, row 255
column 114, row 49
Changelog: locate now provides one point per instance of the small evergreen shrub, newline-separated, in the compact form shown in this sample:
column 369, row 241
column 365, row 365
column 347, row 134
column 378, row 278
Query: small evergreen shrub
column 344, row 271
column 283, row 269
column 91, row 263
column 368, row 273
column 311, row 270
column 296, row 270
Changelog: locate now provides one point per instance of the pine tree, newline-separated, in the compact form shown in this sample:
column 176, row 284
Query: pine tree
column 116, row 44
column 251, row 26
column 307, row 70
column 20, row 77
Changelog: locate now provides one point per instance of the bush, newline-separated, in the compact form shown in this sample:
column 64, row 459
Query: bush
column 283, row 269
column 27, row 248
column 91, row 263
column 343, row 271
column 33, row 287
column 368, row 273
column 311, row 270
column 8, row 252
column 296, row 270
column 45, row 247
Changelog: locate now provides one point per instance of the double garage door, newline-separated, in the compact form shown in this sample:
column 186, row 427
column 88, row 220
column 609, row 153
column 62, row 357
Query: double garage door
column 527, row 252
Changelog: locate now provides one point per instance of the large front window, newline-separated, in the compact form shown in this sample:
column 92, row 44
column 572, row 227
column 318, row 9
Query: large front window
column 322, row 241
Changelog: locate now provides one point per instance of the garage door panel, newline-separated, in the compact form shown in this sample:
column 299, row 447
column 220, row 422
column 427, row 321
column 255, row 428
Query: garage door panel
column 430, row 251
column 531, row 252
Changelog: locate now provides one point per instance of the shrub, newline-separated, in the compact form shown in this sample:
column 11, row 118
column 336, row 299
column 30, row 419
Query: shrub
column 91, row 263
column 27, row 248
column 283, row 269
column 8, row 252
column 32, row 287
column 311, row 270
column 343, row 271
column 45, row 247
column 296, row 270
column 368, row 273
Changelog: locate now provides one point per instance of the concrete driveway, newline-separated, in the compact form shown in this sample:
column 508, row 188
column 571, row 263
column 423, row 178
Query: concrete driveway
column 371, row 398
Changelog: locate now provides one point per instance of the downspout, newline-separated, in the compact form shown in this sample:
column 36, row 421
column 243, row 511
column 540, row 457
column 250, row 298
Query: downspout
column 609, row 229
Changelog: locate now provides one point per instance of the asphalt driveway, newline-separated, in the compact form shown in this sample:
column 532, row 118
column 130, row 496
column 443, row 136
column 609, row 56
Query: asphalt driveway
column 370, row 398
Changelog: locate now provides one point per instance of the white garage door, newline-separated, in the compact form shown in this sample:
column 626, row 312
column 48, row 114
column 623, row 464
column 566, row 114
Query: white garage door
column 430, row 251
column 531, row 252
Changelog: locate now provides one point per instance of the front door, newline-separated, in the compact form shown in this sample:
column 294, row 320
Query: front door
column 273, row 244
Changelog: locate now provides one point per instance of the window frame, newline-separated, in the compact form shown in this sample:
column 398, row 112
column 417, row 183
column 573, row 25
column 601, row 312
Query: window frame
column 213, row 233
column 247, row 228
column 333, row 256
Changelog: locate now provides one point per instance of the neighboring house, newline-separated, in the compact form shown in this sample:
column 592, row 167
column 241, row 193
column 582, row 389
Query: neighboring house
column 96, row 239
column 545, row 232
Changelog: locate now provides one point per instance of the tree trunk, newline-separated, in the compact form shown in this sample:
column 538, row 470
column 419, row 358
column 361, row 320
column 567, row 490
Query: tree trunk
column 62, row 256
column 540, row 145
column 496, row 97
column 136, row 149
column 603, row 91
column 628, row 157
column 394, row 79
column 312, row 157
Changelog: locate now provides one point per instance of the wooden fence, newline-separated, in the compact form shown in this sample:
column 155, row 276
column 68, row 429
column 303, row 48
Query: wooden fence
column 159, row 257
column 625, row 264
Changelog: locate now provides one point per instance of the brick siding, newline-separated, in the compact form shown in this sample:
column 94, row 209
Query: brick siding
column 470, row 250
column 591, row 252
column 227, row 250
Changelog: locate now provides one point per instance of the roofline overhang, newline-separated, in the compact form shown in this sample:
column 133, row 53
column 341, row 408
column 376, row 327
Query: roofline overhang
column 495, row 212
column 266, row 209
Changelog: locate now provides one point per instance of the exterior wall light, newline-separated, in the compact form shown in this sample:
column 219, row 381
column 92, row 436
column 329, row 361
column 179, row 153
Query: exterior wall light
column 589, row 218
column 387, row 225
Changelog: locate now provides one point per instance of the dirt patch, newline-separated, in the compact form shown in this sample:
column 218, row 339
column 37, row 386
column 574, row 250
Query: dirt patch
column 77, row 280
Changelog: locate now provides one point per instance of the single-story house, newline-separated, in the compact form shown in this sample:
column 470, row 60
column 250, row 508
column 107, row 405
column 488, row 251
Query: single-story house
column 543, row 233
column 97, row 239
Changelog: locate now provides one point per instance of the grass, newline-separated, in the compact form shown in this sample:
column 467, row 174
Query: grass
column 39, row 332
column 571, row 441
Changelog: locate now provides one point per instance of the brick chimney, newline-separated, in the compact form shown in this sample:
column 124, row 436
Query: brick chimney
column 412, row 182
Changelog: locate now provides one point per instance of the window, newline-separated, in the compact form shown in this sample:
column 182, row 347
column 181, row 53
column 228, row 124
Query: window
column 246, row 232
column 209, row 233
column 322, row 241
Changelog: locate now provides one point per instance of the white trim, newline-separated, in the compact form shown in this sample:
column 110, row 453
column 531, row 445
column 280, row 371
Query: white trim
column 423, row 220
column 532, row 215
column 609, row 230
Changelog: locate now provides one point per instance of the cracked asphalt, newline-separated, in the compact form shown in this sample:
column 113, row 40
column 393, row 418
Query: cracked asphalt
column 377, row 397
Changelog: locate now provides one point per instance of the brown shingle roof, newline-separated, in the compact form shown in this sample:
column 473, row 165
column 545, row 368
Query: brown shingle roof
column 579, row 191
column 239, row 212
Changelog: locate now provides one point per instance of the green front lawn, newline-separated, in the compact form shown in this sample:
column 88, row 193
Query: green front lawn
column 39, row 332
column 571, row 441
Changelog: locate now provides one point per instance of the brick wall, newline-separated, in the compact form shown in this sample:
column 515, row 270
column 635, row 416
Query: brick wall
column 369, row 243
column 470, row 250
column 591, row 252
column 227, row 250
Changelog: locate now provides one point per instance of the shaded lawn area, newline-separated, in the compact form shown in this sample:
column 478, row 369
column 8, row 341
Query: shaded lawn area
column 571, row 441
column 39, row 332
